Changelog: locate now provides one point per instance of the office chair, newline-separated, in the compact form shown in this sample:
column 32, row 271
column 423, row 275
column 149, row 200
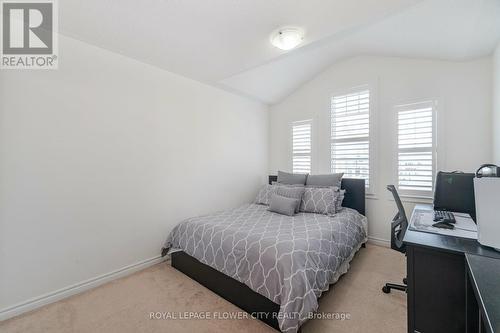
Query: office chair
column 398, row 229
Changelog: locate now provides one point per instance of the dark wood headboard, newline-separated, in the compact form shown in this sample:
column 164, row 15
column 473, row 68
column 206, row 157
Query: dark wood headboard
column 354, row 193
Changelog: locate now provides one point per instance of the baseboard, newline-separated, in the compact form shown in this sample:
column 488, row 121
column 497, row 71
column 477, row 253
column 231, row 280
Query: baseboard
column 379, row 241
column 77, row 288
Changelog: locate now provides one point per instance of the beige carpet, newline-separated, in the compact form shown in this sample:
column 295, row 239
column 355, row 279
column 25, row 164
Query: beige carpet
column 124, row 305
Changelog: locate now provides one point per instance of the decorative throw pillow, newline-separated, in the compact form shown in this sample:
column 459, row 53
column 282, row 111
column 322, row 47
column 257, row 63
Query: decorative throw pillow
column 283, row 205
column 319, row 200
column 265, row 193
column 294, row 192
column 333, row 179
column 291, row 178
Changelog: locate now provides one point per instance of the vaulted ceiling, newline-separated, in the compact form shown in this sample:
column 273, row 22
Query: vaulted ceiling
column 225, row 43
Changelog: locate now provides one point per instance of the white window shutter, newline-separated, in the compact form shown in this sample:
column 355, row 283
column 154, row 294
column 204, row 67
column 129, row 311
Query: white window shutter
column 350, row 135
column 301, row 146
column 416, row 148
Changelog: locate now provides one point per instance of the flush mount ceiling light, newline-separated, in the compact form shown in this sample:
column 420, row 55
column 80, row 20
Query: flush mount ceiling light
column 287, row 38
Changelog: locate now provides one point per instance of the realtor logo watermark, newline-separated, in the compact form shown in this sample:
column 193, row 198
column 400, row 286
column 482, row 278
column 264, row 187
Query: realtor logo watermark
column 29, row 34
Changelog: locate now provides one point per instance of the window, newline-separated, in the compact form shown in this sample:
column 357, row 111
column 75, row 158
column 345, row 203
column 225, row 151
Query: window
column 350, row 134
column 416, row 148
column 301, row 146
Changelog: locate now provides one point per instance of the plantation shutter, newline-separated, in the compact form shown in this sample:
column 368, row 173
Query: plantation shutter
column 350, row 135
column 416, row 148
column 301, row 146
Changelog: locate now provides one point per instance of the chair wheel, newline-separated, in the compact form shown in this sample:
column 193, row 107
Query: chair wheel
column 386, row 289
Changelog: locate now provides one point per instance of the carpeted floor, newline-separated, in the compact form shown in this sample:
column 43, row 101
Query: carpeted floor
column 125, row 305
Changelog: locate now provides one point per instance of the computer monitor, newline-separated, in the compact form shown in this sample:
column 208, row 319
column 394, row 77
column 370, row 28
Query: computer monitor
column 454, row 191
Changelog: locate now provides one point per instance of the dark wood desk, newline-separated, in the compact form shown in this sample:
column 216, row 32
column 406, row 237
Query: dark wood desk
column 438, row 282
column 484, row 278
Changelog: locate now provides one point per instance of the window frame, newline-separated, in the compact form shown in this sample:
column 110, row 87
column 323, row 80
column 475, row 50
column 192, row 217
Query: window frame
column 292, row 125
column 420, row 196
column 373, row 131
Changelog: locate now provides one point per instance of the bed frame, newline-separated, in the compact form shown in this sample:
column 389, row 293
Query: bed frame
column 238, row 293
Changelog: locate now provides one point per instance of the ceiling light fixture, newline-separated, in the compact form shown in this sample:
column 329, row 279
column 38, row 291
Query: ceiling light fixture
column 287, row 38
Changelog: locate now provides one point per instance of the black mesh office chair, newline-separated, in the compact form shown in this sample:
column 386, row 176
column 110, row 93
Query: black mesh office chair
column 398, row 229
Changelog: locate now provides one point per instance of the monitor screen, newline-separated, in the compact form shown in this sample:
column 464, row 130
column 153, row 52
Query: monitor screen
column 455, row 192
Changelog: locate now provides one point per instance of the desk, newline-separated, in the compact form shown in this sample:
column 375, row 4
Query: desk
column 484, row 277
column 439, row 290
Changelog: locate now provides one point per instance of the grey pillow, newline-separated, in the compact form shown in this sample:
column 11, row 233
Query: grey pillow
column 294, row 192
column 289, row 185
column 265, row 193
column 283, row 205
column 333, row 179
column 291, row 178
column 319, row 200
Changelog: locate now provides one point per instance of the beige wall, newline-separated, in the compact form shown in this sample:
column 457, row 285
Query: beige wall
column 463, row 90
column 102, row 157
column 496, row 106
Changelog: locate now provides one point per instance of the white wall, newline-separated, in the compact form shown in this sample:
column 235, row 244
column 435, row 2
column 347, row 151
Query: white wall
column 101, row 158
column 496, row 106
column 463, row 90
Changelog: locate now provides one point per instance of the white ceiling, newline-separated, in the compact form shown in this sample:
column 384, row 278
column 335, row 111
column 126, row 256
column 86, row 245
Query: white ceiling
column 226, row 42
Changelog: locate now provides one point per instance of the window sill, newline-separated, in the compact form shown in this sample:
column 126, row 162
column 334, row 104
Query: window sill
column 415, row 199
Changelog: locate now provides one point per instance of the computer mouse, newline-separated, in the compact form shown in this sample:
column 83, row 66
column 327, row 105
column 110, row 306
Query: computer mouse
column 443, row 225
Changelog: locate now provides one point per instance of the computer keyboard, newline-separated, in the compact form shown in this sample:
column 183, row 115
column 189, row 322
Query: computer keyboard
column 444, row 216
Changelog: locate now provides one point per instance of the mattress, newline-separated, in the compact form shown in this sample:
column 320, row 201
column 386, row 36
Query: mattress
column 290, row 260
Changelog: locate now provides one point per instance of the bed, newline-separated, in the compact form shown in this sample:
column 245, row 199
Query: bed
column 273, row 266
